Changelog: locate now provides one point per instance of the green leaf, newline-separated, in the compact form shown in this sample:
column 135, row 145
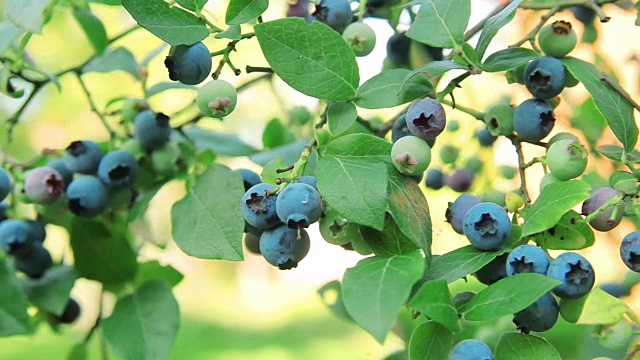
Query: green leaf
column 493, row 24
column 352, row 178
column 243, row 11
column 171, row 24
column 14, row 318
column 220, row 143
column 233, row 32
column 166, row 85
column 432, row 69
column 331, row 296
column 570, row 233
column 441, row 23
column 389, row 88
column 144, row 324
column 8, row 32
column 614, row 152
column 27, row 15
column 587, row 118
column 616, row 109
column 51, row 291
column 516, row 346
column 269, row 173
column 390, row 241
column 597, row 307
column 207, row 222
column 78, row 352
column 142, row 202
column 193, row 5
column 340, row 116
column 508, row 296
column 508, row 59
column 276, row 134
column 112, row 60
column 460, row 263
column 430, row 340
column 409, row 209
column 555, row 200
column 376, row 288
column 153, row 270
column 327, row 70
column 93, row 29
column 102, row 252
column 434, row 300
column 289, row 153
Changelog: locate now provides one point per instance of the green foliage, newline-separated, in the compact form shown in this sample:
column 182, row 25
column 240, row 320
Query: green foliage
column 13, row 303
column 242, row 11
column 389, row 89
column 514, row 346
column 441, row 23
column 430, row 340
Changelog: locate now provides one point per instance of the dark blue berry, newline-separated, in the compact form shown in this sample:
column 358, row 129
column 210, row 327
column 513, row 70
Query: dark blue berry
column 494, row 271
column 34, row 261
column 249, row 178
column 87, row 196
column 259, row 208
column 426, row 118
column 435, row 179
column 460, row 180
column 539, row 316
column 527, row 258
column 614, row 289
column 458, row 209
column 299, row 205
column 533, row 119
column 545, row 77
column 152, row 129
column 61, row 167
column 284, row 247
column 189, row 64
column 309, row 180
column 5, row 184
column 70, row 314
column 118, row 169
column 334, row 13
column 576, row 274
column 83, row 157
column 630, row 251
column 485, row 138
column 487, row 226
column 400, row 129
column 15, row 236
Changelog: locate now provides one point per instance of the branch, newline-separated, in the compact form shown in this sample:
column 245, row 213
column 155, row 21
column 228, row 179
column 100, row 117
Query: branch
column 532, row 34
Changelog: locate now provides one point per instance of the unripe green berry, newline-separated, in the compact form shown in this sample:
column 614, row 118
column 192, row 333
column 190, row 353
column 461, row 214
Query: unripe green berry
column 360, row 37
column 562, row 136
column 499, row 119
column 513, row 201
column 411, row 155
column 167, row 160
column 508, row 172
column 547, row 179
column 337, row 230
column 453, row 125
column 131, row 107
column 557, row 39
column 475, row 164
column 566, row 159
column 133, row 147
column 217, row 98
column 449, row 153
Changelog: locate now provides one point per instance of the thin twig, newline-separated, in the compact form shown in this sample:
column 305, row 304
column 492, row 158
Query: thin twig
column 94, row 108
column 532, row 34
column 521, row 166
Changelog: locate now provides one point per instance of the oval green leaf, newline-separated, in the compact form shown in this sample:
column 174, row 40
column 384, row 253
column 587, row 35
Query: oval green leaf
column 570, row 233
column 441, row 23
column 389, row 88
column 242, row 11
column 508, row 59
column 340, row 117
column 430, row 340
column 516, row 346
column 460, row 263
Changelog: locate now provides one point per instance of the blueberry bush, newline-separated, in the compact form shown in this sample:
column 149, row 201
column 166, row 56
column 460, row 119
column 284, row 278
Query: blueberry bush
column 362, row 163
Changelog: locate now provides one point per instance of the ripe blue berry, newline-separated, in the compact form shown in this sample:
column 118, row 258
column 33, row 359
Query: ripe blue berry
column 87, row 196
column 152, row 129
column 300, row 8
column 434, row 179
column 605, row 220
column 411, row 155
column 37, row 231
column 494, row 271
column 539, row 316
column 527, row 258
column 249, row 178
column 252, row 242
column 284, row 247
column 189, row 64
column 34, row 261
column 630, row 251
column 61, row 167
column 83, row 157
column 400, row 129
column 583, row 14
column 118, row 169
column 545, row 77
column 615, row 289
column 309, row 180
column 458, row 209
column 5, row 184
column 259, row 208
column 471, row 349
column 426, row 118
column 533, row 119
column 15, row 236
column 487, row 226
column 576, row 274
column 485, row 138
column 299, row 205
column 43, row 185
column 334, row 13
column 70, row 314
column 460, row 180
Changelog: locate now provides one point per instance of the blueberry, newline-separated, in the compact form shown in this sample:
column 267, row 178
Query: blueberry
column 360, row 37
column 168, row 160
column 299, row 205
column 249, row 178
column 615, row 289
column 309, row 180
column 34, row 261
column 527, row 258
column 284, row 247
column 471, row 349
column 37, row 230
column 499, row 119
column 583, row 14
column 576, row 274
column 449, row 153
column 83, row 157
column 458, row 209
column 460, row 180
column 16, row 236
column 557, row 39
column 485, row 138
column 566, row 159
column 252, row 243
column 630, row 251
column 152, row 129
column 70, row 314
column 539, row 316
column 604, row 220
column 337, row 230
column 474, row 164
column 334, row 13
column 400, row 129
column 545, row 77
column 118, row 169
column 411, row 155
column 217, row 98
column 426, row 118
column 61, row 167
column 43, row 185
column 259, row 208
column 5, row 184
column 487, row 226
column 434, row 179
column 533, row 119
column 494, row 271
column 298, row 9
column 87, row 196
column 547, row 179
column 189, row 64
